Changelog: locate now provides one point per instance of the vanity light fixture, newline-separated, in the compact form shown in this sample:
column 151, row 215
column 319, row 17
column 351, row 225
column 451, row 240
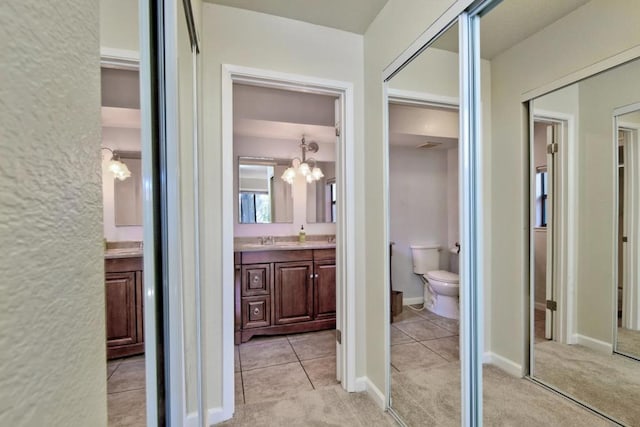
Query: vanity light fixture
column 302, row 166
column 117, row 167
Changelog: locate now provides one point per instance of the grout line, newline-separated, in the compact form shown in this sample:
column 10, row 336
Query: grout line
column 124, row 391
column 301, row 365
column 244, row 400
column 394, row 367
column 270, row 366
column 114, row 371
column 434, row 351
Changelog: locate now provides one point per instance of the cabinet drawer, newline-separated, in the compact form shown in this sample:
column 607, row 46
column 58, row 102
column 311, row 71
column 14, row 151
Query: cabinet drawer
column 256, row 279
column 256, row 312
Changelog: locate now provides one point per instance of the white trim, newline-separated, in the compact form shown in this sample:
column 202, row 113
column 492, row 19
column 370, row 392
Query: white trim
column 120, row 58
column 176, row 380
column 412, row 300
column 345, row 232
column 504, row 364
column 409, row 98
column 594, row 344
column 214, row 416
column 598, row 67
column 364, row 384
column 566, row 245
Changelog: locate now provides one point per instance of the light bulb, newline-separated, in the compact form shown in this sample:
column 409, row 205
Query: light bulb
column 304, row 169
column 317, row 173
column 309, row 178
column 119, row 169
column 289, row 175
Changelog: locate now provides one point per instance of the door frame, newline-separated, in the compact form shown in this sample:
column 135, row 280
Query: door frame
column 405, row 97
column 563, row 231
column 345, row 226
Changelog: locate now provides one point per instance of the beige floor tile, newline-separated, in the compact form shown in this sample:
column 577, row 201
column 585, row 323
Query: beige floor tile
column 407, row 315
column 261, row 354
column 424, row 330
column 275, row 382
column 131, row 359
column 127, row 409
column 411, row 356
column 112, row 365
column 321, row 372
column 452, row 325
column 399, row 337
column 128, row 376
column 238, row 389
column 236, row 361
column 426, row 314
column 448, row 347
column 314, row 344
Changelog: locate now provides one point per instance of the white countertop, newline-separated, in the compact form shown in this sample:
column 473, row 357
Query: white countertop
column 123, row 253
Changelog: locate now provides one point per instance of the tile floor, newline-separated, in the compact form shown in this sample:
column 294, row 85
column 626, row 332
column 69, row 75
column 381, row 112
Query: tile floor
column 421, row 340
column 126, row 404
column 281, row 367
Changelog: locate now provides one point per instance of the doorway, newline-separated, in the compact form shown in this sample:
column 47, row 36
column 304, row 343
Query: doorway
column 257, row 307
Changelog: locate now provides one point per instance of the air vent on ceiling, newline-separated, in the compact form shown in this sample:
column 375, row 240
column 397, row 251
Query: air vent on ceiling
column 429, row 145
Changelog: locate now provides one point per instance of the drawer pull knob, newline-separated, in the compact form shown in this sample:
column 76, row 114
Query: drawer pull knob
column 256, row 279
column 256, row 311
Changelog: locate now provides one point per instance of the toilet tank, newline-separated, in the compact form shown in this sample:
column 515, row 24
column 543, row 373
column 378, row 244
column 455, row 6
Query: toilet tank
column 425, row 258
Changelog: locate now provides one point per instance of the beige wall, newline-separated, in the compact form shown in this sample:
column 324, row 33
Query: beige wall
column 119, row 24
column 557, row 50
column 52, row 362
column 239, row 37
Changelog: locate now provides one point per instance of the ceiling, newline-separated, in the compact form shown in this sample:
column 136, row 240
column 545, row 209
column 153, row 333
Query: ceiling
column 348, row 15
column 275, row 114
column 511, row 22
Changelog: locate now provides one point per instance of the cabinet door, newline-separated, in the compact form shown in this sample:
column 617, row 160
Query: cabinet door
column 140, row 307
column 256, row 279
column 121, row 310
column 324, row 292
column 293, row 292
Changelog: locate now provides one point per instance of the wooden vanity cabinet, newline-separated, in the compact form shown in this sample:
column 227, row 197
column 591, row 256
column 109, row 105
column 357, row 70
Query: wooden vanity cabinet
column 284, row 291
column 124, row 307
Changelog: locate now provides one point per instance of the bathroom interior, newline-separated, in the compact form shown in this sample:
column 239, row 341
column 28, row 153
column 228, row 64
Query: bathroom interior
column 123, row 219
column 285, row 218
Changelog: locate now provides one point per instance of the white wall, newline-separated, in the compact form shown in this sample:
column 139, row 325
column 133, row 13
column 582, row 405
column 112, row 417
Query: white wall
column 52, row 362
column 418, row 204
column 239, row 37
column 246, row 146
column 124, row 139
column 554, row 52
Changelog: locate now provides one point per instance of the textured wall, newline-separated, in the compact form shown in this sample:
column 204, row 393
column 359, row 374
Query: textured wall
column 52, row 357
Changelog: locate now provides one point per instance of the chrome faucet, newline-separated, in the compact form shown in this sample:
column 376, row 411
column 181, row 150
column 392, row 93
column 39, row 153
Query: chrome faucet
column 266, row 240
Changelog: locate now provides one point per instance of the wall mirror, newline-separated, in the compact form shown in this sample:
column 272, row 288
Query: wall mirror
column 585, row 339
column 263, row 197
column 128, row 193
column 424, row 228
column 321, row 195
column 627, row 298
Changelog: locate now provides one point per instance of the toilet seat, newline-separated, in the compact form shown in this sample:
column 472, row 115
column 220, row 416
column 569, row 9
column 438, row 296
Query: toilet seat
column 443, row 276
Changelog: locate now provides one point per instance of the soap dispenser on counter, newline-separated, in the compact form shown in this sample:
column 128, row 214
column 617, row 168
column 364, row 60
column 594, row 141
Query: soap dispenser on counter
column 302, row 236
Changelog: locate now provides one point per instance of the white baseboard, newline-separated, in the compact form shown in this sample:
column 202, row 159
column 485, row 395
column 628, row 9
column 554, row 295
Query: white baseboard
column 214, row 416
column 412, row 301
column 364, row 384
column 541, row 306
column 508, row 366
column 594, row 344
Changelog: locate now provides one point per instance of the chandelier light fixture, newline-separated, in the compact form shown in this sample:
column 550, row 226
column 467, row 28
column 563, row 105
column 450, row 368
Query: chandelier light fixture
column 117, row 167
column 311, row 172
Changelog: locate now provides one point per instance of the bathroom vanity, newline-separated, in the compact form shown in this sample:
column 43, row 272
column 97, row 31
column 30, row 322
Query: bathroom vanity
column 124, row 303
column 284, row 288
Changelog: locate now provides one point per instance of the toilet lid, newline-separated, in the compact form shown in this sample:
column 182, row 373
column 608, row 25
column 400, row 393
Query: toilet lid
column 443, row 276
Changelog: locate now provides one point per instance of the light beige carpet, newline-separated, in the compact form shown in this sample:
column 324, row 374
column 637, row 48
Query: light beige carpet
column 431, row 397
column 329, row 406
column 609, row 383
column 629, row 342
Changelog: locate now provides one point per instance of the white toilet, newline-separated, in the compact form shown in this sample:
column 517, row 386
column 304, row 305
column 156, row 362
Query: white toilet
column 441, row 288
